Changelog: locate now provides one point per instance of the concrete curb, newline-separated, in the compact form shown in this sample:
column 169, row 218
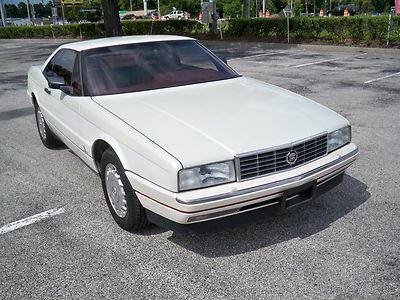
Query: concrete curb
column 334, row 48
column 310, row 47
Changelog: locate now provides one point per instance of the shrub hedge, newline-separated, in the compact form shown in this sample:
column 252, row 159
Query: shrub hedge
column 358, row 29
column 97, row 29
column 355, row 30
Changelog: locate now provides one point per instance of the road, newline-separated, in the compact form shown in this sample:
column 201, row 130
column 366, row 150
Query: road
column 344, row 245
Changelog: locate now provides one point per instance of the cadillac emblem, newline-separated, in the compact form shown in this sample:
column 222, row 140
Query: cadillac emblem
column 291, row 157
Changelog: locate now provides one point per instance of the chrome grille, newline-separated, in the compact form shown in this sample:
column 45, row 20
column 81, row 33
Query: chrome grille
column 271, row 161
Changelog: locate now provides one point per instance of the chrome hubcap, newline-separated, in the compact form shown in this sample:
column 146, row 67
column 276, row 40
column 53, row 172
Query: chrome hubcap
column 115, row 190
column 40, row 120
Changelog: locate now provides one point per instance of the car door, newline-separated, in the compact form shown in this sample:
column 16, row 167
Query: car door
column 65, row 95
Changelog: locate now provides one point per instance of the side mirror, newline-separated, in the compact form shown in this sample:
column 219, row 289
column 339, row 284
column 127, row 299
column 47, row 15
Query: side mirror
column 224, row 60
column 55, row 82
column 67, row 89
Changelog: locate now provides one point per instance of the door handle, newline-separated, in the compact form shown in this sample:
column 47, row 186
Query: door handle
column 47, row 91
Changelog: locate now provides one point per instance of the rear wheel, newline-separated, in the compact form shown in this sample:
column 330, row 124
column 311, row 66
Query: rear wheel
column 48, row 138
column 120, row 196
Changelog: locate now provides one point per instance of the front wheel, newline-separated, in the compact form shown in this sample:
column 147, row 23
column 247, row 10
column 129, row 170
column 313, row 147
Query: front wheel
column 48, row 138
column 120, row 196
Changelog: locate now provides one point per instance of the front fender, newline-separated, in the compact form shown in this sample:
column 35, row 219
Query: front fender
column 36, row 82
column 164, row 174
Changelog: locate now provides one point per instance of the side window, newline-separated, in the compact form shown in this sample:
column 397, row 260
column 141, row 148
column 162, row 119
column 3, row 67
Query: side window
column 65, row 66
column 194, row 57
column 76, row 79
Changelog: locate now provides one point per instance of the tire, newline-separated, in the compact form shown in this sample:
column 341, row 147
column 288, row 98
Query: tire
column 120, row 196
column 48, row 138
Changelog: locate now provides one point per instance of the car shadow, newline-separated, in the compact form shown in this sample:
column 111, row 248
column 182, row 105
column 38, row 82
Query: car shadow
column 300, row 222
column 16, row 113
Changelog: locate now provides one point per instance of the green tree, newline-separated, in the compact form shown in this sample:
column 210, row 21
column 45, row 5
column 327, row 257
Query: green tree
column 365, row 6
column 279, row 4
column 382, row 5
column 298, row 7
column 12, row 11
column 233, row 9
column 42, row 11
column 125, row 4
column 22, row 10
column 271, row 7
column 71, row 14
column 95, row 12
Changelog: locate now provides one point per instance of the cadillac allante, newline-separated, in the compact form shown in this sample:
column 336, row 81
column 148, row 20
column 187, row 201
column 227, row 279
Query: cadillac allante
column 179, row 138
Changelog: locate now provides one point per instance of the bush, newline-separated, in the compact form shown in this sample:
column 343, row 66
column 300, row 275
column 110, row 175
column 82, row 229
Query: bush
column 357, row 30
column 186, row 27
column 256, row 27
column 181, row 27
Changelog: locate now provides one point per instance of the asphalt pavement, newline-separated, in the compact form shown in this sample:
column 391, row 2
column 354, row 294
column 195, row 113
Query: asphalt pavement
column 343, row 245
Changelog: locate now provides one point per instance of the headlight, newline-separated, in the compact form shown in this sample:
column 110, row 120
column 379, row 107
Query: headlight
column 206, row 175
column 339, row 138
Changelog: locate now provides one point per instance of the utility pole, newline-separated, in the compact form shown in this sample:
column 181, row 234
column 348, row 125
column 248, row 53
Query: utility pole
column 62, row 10
column 264, row 8
column 3, row 18
column 145, row 7
column 314, row 8
column 158, row 9
column 29, row 14
column 306, row 9
column 247, row 8
column 33, row 12
column 288, row 14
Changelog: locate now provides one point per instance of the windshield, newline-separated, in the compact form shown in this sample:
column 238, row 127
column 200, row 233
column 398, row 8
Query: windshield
column 147, row 66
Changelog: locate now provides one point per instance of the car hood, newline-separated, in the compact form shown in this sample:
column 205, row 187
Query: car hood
column 215, row 121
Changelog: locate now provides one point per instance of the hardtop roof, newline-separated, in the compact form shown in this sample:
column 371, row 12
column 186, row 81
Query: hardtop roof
column 121, row 40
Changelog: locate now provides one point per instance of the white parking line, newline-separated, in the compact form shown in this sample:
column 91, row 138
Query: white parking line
column 256, row 55
column 384, row 77
column 315, row 63
column 32, row 219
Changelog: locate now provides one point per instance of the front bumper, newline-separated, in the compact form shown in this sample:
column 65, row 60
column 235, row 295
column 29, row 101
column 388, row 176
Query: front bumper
column 282, row 190
column 260, row 211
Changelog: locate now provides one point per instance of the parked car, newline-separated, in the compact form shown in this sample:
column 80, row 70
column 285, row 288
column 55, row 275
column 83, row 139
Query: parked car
column 339, row 10
column 129, row 17
column 153, row 16
column 179, row 138
column 375, row 13
column 176, row 14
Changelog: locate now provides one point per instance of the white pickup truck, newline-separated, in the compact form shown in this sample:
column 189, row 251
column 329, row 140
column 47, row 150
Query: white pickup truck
column 176, row 14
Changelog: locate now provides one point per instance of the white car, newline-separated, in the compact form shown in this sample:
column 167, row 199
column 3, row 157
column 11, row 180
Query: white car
column 179, row 138
column 174, row 15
